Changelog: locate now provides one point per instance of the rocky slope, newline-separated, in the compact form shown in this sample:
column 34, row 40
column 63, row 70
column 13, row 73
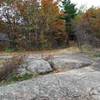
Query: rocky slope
column 78, row 78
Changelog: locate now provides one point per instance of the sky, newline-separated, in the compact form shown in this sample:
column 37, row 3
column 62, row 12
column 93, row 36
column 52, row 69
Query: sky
column 87, row 3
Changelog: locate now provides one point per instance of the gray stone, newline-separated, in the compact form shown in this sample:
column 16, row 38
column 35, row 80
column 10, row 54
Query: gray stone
column 71, row 85
column 79, row 80
column 33, row 65
column 39, row 66
column 67, row 62
column 96, row 65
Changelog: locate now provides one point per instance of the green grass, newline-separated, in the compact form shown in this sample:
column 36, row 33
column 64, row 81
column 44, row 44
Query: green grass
column 20, row 77
column 9, row 50
column 13, row 78
column 97, row 55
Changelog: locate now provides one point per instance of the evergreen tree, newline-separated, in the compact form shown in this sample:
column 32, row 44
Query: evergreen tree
column 69, row 13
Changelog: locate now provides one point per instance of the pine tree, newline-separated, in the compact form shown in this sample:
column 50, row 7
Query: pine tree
column 69, row 13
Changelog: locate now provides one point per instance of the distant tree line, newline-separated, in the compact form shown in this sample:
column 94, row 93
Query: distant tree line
column 46, row 24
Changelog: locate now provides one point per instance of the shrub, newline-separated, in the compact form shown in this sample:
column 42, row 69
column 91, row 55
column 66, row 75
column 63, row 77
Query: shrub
column 10, row 66
column 14, row 77
column 9, row 50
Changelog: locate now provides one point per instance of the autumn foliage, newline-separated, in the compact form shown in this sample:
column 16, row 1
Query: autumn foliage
column 34, row 24
column 92, row 16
